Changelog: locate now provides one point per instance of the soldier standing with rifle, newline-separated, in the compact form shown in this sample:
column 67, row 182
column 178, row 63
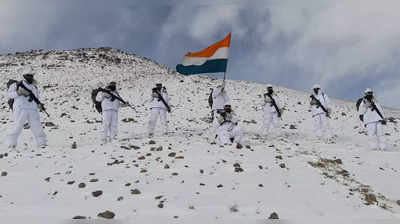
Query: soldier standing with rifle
column 319, row 106
column 371, row 113
column 111, row 103
column 272, row 112
column 159, row 107
column 26, row 110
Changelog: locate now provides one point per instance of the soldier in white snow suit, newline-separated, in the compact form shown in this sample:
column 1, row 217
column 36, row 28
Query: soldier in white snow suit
column 228, row 131
column 272, row 112
column 110, row 109
column 371, row 113
column 220, row 99
column 320, row 111
column 26, row 110
column 159, row 108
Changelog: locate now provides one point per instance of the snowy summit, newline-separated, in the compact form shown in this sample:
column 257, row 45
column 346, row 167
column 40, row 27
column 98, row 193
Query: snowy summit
column 185, row 175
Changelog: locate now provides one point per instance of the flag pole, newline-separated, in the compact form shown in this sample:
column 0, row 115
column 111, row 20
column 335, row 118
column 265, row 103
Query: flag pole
column 223, row 82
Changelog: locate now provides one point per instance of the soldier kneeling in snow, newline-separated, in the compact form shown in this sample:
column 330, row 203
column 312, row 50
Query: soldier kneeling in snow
column 371, row 113
column 228, row 131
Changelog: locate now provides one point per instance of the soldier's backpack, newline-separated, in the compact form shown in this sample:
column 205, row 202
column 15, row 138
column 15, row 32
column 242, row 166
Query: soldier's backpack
column 10, row 102
column 210, row 99
column 97, row 105
column 359, row 103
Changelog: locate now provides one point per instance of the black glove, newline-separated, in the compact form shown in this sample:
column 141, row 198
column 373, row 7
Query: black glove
column 361, row 117
column 383, row 122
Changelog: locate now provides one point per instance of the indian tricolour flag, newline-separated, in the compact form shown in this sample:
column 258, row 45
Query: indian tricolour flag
column 210, row 60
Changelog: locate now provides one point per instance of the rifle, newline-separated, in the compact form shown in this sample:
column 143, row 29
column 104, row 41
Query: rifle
column 118, row 98
column 34, row 98
column 162, row 100
column 320, row 105
column 374, row 107
column 275, row 106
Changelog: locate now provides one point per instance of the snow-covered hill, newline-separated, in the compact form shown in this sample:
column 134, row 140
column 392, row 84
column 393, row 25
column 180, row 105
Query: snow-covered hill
column 182, row 178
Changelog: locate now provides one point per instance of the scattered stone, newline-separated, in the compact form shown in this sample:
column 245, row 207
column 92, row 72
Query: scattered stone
column 160, row 205
column 274, row 215
column 93, row 180
column 292, row 126
column 97, row 193
column 79, row 217
column 219, row 185
column 70, row 182
column 261, row 185
column 135, row 191
column 172, row 154
column 398, row 202
column 107, row 215
column 158, row 197
column 370, row 199
column 82, row 185
column 278, row 157
column 74, row 145
column 166, row 166
column 127, row 120
column 49, row 124
column 47, row 179
column 152, row 142
column 4, row 173
column 134, row 147
column 282, row 165
column 338, row 161
column 179, row 157
column 120, row 198
column 234, row 208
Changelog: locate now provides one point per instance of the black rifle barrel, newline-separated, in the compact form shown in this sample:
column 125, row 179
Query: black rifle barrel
column 34, row 98
column 376, row 109
column 275, row 106
column 117, row 97
column 162, row 100
column 320, row 104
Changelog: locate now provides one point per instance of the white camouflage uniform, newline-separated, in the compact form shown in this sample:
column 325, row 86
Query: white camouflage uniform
column 271, row 119
column 372, row 122
column 158, row 109
column 25, row 111
column 220, row 99
column 228, row 129
column 322, row 126
column 110, row 115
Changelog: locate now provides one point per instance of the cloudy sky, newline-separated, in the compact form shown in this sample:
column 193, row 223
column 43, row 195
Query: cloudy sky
column 345, row 45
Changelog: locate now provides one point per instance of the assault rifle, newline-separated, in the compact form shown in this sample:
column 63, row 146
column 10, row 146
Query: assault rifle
column 374, row 107
column 319, row 104
column 163, row 100
column 34, row 98
column 117, row 97
column 275, row 106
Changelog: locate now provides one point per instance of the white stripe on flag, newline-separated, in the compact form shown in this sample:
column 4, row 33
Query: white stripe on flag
column 221, row 53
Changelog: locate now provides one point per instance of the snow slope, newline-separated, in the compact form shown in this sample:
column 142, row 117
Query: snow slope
column 182, row 178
